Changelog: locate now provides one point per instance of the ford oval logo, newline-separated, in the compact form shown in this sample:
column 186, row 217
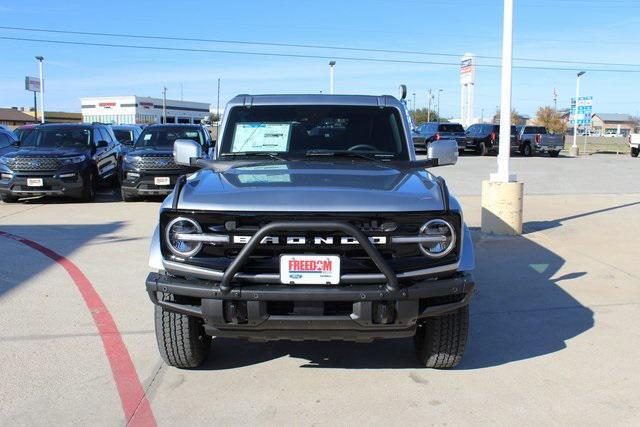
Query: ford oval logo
column 34, row 164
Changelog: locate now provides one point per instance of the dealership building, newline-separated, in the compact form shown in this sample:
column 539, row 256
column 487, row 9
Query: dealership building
column 141, row 110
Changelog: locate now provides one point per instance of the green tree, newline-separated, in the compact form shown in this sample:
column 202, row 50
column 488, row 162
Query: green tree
column 551, row 119
column 422, row 115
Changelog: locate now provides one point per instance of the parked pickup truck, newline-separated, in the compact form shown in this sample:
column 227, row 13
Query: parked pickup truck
column 312, row 220
column 536, row 139
column 634, row 144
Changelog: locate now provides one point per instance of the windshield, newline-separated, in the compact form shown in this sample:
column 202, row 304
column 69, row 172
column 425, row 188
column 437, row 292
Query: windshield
column 451, row 128
column 123, row 135
column 61, row 137
column 315, row 129
column 165, row 136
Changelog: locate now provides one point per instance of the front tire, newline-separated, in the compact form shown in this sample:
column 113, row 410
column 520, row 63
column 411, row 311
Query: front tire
column 440, row 341
column 127, row 197
column 7, row 198
column 181, row 339
column 635, row 152
column 89, row 188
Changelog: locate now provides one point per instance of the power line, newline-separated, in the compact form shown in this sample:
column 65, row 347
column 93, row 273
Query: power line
column 304, row 56
column 307, row 46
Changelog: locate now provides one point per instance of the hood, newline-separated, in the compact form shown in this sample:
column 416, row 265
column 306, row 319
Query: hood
column 307, row 186
column 149, row 151
column 47, row 152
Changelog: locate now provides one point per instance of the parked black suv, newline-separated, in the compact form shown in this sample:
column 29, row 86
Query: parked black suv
column 433, row 131
column 60, row 160
column 483, row 138
column 148, row 168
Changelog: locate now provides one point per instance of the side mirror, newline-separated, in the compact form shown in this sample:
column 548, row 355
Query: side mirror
column 186, row 151
column 443, row 150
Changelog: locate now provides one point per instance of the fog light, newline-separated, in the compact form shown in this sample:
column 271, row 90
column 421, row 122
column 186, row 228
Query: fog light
column 132, row 175
column 6, row 176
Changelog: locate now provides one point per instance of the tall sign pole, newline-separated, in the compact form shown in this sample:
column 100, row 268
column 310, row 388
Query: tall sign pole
column 502, row 196
column 164, row 105
column 40, row 61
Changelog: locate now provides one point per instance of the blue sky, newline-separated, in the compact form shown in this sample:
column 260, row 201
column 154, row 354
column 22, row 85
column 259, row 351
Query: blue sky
column 586, row 30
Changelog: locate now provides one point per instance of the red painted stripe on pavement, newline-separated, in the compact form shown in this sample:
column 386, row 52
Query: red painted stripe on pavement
column 134, row 403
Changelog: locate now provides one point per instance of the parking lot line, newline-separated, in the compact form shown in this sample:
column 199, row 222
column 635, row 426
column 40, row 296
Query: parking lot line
column 135, row 405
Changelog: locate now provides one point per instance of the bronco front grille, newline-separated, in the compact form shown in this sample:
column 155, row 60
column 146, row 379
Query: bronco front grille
column 157, row 162
column 35, row 164
column 354, row 259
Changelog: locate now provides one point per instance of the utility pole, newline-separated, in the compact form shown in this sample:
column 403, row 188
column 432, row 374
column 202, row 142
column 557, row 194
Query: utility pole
column 414, row 101
column 439, row 92
column 41, row 66
column 164, row 105
column 429, row 96
column 331, row 87
column 555, row 100
column 574, row 147
column 181, row 92
column 218, row 102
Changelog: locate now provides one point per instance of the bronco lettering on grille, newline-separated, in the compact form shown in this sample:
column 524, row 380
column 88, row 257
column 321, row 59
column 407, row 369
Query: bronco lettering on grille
column 301, row 240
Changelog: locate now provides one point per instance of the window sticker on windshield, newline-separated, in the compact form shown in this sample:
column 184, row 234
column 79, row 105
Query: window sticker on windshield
column 147, row 136
column 261, row 137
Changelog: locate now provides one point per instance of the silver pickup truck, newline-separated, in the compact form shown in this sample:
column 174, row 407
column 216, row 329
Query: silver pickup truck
column 536, row 139
column 313, row 221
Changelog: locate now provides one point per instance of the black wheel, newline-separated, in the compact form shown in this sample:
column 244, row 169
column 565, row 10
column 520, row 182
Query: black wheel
column 525, row 150
column 482, row 149
column 554, row 153
column 181, row 338
column 634, row 152
column 89, row 187
column 127, row 197
column 440, row 341
column 7, row 198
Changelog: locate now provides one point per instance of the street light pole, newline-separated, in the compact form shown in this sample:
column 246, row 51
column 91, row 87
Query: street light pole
column 439, row 91
column 574, row 147
column 414, row 101
column 331, row 87
column 40, row 61
column 430, row 96
column 164, row 105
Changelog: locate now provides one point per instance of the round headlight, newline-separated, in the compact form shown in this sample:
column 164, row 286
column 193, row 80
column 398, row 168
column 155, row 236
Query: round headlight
column 444, row 238
column 180, row 227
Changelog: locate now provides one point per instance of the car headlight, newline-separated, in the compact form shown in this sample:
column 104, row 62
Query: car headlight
column 72, row 160
column 444, row 238
column 132, row 159
column 176, row 237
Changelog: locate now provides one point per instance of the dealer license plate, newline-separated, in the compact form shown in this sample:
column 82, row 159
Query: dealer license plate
column 162, row 180
column 310, row 269
column 34, row 182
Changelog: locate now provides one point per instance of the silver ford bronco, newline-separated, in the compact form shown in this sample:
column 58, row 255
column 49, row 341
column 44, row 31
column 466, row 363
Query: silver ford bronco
column 312, row 219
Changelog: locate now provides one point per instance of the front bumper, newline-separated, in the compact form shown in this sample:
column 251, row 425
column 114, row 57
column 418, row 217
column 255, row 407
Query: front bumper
column 272, row 312
column 144, row 184
column 64, row 183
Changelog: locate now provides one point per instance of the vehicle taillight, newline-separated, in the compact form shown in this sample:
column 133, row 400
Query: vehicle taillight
column 493, row 136
column 438, row 136
column 538, row 138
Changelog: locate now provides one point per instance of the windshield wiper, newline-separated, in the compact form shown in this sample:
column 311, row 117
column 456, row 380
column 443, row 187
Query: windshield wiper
column 273, row 155
column 346, row 153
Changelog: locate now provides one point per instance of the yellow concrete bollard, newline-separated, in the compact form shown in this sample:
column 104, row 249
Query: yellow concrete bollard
column 502, row 207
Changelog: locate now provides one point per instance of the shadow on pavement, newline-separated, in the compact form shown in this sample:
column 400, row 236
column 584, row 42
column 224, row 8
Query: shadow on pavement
column 519, row 312
column 533, row 226
column 61, row 238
